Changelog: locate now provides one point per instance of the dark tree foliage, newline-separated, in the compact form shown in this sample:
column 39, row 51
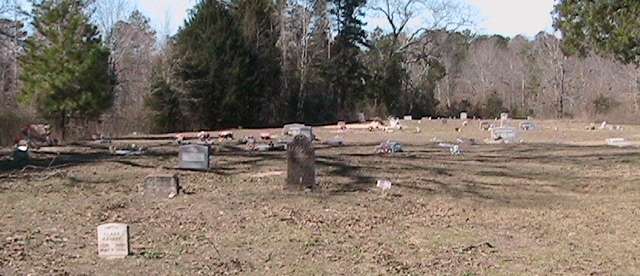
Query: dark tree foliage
column 607, row 26
column 345, row 72
column 66, row 72
column 218, row 69
column 165, row 102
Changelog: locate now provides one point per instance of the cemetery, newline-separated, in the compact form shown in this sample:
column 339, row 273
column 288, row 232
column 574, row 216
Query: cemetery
column 335, row 199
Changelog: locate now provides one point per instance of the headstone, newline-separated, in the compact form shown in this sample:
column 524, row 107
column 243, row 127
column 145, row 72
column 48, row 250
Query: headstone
column 303, row 130
column 161, row 186
column 618, row 142
column 504, row 116
column 408, row 118
column 287, row 128
column 463, row 115
column 113, row 240
column 505, row 134
column 301, row 171
column 194, row 157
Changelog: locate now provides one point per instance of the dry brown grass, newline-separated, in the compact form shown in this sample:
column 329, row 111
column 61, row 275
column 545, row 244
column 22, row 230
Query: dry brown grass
column 537, row 208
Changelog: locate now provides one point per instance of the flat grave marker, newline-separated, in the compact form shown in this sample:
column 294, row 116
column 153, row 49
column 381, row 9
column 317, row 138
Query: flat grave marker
column 161, row 186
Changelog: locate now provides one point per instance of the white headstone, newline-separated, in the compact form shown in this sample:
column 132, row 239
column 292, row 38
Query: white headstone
column 408, row 118
column 463, row 116
column 505, row 134
column 113, row 240
column 618, row 142
column 504, row 116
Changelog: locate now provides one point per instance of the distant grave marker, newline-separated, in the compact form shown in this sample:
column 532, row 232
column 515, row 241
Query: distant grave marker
column 303, row 130
column 113, row 240
column 504, row 116
column 618, row 142
column 301, row 171
column 194, row 157
column 286, row 129
column 505, row 134
column 161, row 186
column 463, row 115
column 408, row 118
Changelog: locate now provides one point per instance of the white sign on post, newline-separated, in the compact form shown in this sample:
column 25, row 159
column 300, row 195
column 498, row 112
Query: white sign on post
column 113, row 240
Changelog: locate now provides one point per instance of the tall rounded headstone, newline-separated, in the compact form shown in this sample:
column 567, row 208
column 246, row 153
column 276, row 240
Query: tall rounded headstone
column 301, row 171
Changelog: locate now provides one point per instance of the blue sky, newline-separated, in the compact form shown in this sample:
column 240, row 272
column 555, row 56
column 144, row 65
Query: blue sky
column 505, row 17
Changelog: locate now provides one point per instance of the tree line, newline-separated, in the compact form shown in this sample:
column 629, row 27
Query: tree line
column 98, row 66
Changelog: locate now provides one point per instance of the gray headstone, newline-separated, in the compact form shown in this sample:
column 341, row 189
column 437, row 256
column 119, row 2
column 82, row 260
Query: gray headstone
column 286, row 129
column 113, row 240
column 301, row 172
column 362, row 118
column 161, row 186
column 463, row 115
column 194, row 157
column 303, row 130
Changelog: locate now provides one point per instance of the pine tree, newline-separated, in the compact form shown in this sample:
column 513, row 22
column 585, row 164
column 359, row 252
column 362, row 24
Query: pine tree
column 216, row 67
column 345, row 71
column 66, row 72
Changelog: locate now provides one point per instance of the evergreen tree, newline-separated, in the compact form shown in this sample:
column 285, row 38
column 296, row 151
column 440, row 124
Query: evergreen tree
column 257, row 23
column 609, row 27
column 165, row 102
column 344, row 71
column 66, row 72
column 216, row 68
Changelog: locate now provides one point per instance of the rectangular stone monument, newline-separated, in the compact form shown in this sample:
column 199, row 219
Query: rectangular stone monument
column 286, row 129
column 301, row 172
column 504, row 116
column 463, row 115
column 161, row 186
column 505, row 134
column 113, row 240
column 408, row 118
column 303, row 130
column 194, row 157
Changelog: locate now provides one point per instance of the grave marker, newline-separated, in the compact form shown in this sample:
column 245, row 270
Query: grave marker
column 408, row 118
column 303, row 130
column 301, row 171
column 113, row 240
column 504, row 116
column 463, row 115
column 505, row 134
column 194, row 157
column 161, row 186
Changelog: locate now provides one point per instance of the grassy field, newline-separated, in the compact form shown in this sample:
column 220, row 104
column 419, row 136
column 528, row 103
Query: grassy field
column 562, row 202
